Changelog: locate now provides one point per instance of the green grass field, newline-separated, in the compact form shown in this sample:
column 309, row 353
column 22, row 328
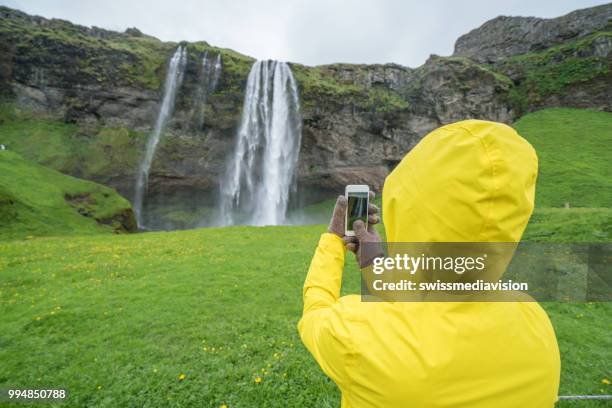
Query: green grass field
column 208, row 317
column 118, row 319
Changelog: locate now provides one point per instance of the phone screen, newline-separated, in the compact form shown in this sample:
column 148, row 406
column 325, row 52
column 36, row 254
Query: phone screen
column 357, row 208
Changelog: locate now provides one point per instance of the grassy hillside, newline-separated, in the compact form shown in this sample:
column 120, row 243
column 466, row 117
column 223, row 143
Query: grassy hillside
column 35, row 200
column 575, row 150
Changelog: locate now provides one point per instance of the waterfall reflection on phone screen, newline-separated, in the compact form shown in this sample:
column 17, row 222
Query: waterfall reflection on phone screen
column 357, row 208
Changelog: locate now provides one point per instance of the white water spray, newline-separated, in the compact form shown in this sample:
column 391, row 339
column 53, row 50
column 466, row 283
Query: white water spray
column 208, row 83
column 216, row 73
column 174, row 77
column 262, row 169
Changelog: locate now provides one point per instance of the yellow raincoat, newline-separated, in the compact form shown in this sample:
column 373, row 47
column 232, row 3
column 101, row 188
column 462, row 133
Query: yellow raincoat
column 471, row 181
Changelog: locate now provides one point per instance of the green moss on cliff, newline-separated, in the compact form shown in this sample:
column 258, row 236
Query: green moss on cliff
column 464, row 65
column 87, row 55
column 549, row 72
column 93, row 153
column 460, row 70
column 113, row 152
column 385, row 100
column 317, row 81
column 319, row 85
column 234, row 63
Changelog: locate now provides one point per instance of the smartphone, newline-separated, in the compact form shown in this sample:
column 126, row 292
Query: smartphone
column 357, row 197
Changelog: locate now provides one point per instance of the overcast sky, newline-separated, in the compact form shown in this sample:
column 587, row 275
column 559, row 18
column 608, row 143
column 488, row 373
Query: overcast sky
column 311, row 32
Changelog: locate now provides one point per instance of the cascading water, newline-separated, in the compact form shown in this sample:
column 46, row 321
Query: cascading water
column 174, row 77
column 262, row 169
column 208, row 83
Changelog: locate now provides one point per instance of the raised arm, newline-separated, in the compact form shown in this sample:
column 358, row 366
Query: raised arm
column 322, row 286
column 322, row 328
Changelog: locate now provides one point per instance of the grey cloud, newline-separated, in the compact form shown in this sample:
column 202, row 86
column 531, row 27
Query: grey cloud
column 311, row 32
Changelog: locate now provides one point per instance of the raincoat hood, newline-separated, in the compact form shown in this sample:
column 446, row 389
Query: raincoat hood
column 470, row 181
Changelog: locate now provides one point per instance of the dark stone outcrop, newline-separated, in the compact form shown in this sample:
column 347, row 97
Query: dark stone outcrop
column 121, row 221
column 505, row 36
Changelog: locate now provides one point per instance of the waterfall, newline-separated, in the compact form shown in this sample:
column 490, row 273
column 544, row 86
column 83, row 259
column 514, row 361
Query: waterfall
column 210, row 73
column 261, row 170
column 174, row 77
column 216, row 73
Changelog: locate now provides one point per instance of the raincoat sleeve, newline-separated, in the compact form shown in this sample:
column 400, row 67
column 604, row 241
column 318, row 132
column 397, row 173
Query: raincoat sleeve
column 322, row 328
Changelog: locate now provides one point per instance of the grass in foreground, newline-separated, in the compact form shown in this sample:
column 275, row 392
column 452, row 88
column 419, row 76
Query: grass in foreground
column 119, row 320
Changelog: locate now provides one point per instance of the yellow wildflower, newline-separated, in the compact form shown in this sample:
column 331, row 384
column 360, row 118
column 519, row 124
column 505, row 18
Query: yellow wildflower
column 605, row 381
column 258, row 380
column 182, row 377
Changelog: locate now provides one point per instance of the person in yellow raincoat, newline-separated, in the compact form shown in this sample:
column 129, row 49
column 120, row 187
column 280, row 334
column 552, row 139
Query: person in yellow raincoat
column 471, row 181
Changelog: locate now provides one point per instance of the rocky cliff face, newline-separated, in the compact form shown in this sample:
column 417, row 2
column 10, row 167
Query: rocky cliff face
column 358, row 120
column 505, row 36
column 360, row 134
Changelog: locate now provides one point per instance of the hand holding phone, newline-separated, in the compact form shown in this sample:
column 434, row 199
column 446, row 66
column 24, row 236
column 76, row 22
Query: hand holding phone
column 338, row 223
column 360, row 237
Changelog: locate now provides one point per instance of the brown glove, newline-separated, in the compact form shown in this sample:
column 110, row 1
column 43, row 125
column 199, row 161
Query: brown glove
column 366, row 244
column 336, row 225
